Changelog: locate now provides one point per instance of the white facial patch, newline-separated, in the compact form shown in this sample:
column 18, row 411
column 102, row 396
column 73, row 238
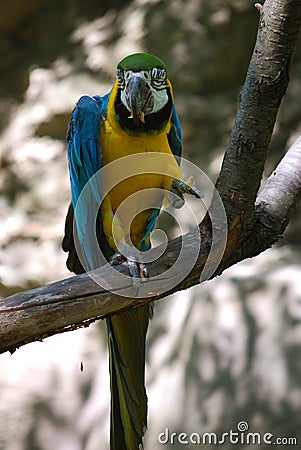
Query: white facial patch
column 156, row 80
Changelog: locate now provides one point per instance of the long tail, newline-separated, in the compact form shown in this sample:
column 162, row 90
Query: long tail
column 126, row 337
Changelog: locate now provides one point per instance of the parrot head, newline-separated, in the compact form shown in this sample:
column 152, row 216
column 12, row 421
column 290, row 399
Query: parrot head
column 143, row 85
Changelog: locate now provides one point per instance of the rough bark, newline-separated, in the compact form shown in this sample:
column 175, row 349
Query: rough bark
column 265, row 85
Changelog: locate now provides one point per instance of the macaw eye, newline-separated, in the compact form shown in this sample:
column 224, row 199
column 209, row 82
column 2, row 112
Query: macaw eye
column 120, row 78
column 158, row 78
column 158, row 74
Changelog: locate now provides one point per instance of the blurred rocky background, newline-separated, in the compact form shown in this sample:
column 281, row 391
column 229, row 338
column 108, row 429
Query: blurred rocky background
column 218, row 354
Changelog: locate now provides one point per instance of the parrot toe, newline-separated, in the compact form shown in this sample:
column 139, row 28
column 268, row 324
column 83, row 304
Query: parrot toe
column 176, row 200
column 117, row 258
column 178, row 189
column 138, row 271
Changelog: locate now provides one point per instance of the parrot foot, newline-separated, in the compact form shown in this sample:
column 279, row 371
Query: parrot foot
column 117, row 258
column 178, row 188
column 138, row 271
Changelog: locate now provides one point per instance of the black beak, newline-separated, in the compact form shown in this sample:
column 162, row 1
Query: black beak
column 139, row 98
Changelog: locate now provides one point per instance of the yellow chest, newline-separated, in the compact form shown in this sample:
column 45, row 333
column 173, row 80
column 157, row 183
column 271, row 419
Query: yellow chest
column 134, row 178
column 136, row 163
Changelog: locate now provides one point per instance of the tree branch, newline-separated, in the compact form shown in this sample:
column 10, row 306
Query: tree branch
column 281, row 191
column 273, row 207
column 266, row 83
column 254, row 225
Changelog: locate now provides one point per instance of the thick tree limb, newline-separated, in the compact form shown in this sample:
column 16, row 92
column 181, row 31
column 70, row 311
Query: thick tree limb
column 266, row 83
column 278, row 196
column 273, row 207
column 254, row 225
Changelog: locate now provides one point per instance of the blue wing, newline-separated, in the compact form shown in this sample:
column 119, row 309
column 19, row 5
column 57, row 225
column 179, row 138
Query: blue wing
column 84, row 143
column 84, row 157
column 175, row 135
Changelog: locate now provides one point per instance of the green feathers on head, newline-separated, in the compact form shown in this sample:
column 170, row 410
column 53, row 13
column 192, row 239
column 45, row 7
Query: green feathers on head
column 141, row 61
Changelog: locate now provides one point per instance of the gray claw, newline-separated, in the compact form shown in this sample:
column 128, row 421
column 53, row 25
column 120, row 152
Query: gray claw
column 117, row 258
column 195, row 192
column 134, row 270
column 143, row 271
column 138, row 271
column 178, row 189
column 176, row 200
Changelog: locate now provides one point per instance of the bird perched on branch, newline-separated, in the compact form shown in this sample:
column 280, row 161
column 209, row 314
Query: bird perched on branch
column 137, row 118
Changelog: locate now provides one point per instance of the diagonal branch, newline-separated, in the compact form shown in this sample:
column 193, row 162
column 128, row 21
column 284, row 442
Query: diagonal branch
column 78, row 301
column 281, row 190
column 274, row 206
column 253, row 225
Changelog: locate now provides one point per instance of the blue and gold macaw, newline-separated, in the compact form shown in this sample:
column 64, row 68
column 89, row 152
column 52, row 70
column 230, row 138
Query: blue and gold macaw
column 137, row 116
